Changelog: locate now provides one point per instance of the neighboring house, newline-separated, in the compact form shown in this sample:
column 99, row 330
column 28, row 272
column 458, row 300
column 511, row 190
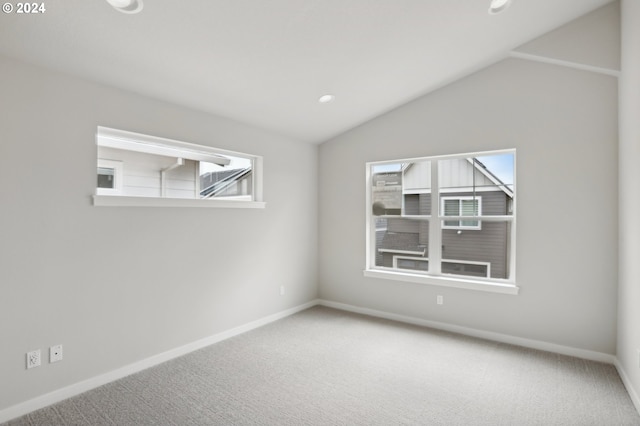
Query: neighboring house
column 467, row 188
column 139, row 173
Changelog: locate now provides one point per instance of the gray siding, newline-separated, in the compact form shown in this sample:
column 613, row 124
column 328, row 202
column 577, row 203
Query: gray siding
column 488, row 244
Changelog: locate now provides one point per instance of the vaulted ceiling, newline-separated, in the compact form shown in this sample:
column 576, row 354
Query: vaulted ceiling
column 266, row 62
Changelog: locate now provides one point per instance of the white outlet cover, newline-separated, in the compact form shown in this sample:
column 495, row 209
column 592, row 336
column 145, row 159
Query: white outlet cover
column 33, row 359
column 55, row 353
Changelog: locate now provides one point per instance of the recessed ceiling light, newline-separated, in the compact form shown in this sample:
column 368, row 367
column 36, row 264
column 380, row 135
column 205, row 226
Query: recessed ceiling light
column 325, row 99
column 126, row 6
column 498, row 6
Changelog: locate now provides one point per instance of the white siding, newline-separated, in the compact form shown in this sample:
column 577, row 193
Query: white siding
column 142, row 174
column 417, row 177
column 456, row 173
column 459, row 173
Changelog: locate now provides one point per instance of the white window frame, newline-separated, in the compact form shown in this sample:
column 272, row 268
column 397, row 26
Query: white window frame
column 396, row 258
column 117, row 168
column 435, row 276
column 426, row 259
column 469, row 262
column 460, row 199
column 121, row 139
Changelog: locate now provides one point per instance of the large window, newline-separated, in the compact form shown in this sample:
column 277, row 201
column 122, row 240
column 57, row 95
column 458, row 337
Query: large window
column 467, row 240
column 138, row 167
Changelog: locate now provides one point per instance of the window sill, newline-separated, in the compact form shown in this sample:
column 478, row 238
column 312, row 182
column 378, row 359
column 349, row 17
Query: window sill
column 443, row 281
column 126, row 201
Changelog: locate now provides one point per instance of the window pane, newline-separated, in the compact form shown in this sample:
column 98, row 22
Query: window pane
column 233, row 180
column 469, row 223
column 411, row 263
column 105, row 177
column 386, row 194
column 465, row 268
column 451, row 207
column 397, row 239
column 401, row 189
column 150, row 166
column 463, row 250
column 483, row 177
column 469, row 207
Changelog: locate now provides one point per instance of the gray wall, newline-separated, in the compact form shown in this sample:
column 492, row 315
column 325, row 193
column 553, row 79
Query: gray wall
column 117, row 285
column 593, row 39
column 563, row 123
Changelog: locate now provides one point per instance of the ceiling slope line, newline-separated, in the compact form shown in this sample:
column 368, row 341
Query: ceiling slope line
column 562, row 63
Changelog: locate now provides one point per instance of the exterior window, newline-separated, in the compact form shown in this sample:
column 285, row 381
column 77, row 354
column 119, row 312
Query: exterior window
column 471, row 269
column 142, row 166
column 470, row 236
column 109, row 177
column 461, row 206
column 414, row 263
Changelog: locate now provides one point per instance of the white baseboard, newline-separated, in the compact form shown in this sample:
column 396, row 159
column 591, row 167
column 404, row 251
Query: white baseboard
column 628, row 385
column 488, row 335
column 498, row 337
column 94, row 382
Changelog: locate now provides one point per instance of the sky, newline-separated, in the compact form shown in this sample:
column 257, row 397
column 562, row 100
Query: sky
column 501, row 165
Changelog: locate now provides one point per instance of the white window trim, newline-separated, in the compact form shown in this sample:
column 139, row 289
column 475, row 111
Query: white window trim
column 117, row 176
column 419, row 253
column 122, row 139
column 462, row 198
column 426, row 259
column 469, row 262
column 129, row 201
column 396, row 258
column 493, row 285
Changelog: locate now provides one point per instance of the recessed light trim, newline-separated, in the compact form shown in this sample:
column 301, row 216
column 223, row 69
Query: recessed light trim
column 126, row 6
column 497, row 6
column 325, row 99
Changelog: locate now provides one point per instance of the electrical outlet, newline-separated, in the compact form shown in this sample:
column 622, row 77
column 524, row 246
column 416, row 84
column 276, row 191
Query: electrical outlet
column 33, row 359
column 281, row 290
column 440, row 300
column 55, row 353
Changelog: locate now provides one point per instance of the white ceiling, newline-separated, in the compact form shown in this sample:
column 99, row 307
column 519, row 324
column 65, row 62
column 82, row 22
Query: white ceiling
column 266, row 62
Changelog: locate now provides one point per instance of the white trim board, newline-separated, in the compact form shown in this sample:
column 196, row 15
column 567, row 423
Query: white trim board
column 488, row 335
column 628, row 385
column 61, row 394
column 94, row 382
column 575, row 65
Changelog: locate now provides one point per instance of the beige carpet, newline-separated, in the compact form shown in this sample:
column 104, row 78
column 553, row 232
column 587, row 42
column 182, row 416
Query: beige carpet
column 327, row 367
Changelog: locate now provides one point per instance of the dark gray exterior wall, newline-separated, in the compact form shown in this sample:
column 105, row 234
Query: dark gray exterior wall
column 489, row 244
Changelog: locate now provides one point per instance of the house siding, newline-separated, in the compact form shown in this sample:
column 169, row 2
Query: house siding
column 488, row 244
column 142, row 174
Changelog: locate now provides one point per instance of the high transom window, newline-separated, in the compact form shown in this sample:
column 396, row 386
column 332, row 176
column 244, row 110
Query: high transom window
column 142, row 167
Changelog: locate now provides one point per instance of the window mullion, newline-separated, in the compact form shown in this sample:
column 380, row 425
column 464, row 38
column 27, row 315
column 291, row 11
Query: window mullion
column 435, row 233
